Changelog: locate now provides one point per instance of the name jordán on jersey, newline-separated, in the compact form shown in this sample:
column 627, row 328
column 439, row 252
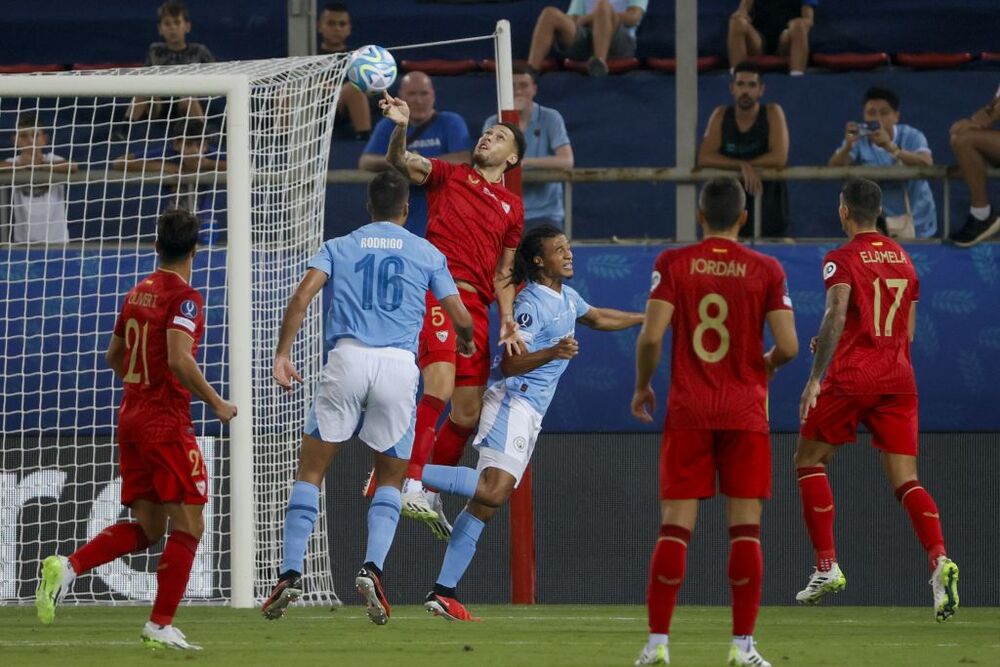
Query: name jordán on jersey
column 381, row 243
column 730, row 269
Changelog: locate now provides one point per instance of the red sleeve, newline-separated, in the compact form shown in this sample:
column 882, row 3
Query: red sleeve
column 777, row 289
column 515, row 229
column 440, row 171
column 120, row 322
column 662, row 288
column 187, row 314
column 836, row 270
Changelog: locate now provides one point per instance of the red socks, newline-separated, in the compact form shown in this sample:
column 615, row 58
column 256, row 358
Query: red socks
column 172, row 575
column 111, row 543
column 817, row 510
column 746, row 576
column 429, row 411
column 923, row 513
column 450, row 443
column 666, row 573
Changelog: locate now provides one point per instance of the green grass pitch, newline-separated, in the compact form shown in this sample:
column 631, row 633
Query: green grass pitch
column 541, row 635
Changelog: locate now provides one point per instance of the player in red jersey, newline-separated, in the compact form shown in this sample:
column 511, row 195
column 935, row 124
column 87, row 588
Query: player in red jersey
column 717, row 295
column 863, row 348
column 477, row 223
column 163, row 474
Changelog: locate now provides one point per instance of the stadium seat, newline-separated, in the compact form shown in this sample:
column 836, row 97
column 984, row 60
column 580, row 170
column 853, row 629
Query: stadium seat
column 439, row 66
column 705, row 63
column 93, row 66
column 615, row 65
column 769, row 63
column 548, row 65
column 845, row 62
column 932, row 60
column 26, row 68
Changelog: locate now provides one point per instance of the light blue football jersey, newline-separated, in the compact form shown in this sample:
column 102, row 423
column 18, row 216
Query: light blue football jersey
column 381, row 274
column 544, row 317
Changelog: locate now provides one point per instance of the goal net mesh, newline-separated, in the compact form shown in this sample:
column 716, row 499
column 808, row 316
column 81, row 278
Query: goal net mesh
column 80, row 190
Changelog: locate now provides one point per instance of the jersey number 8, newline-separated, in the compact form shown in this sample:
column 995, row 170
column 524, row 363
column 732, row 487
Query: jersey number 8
column 709, row 323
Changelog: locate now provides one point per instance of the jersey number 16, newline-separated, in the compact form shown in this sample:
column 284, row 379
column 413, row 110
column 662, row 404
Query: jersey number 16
column 390, row 283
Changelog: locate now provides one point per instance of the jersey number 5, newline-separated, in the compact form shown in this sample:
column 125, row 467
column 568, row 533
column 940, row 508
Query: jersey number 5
column 135, row 339
column 709, row 323
column 390, row 283
column 898, row 285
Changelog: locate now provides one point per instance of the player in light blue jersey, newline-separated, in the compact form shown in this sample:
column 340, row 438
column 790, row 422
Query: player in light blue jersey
column 381, row 274
column 546, row 311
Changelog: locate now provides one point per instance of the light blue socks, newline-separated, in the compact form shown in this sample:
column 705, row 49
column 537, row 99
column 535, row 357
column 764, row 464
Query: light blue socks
column 300, row 519
column 451, row 479
column 383, row 515
column 461, row 547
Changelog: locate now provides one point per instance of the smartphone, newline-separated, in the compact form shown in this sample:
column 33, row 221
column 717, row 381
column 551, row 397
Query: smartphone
column 866, row 128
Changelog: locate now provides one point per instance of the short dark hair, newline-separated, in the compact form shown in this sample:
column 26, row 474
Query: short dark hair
column 174, row 9
column 335, row 7
column 176, row 234
column 531, row 247
column 721, row 201
column 879, row 93
column 747, row 66
column 863, row 199
column 524, row 68
column 519, row 139
column 387, row 195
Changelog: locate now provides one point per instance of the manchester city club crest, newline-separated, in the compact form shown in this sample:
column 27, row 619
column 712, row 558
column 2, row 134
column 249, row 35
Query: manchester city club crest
column 520, row 443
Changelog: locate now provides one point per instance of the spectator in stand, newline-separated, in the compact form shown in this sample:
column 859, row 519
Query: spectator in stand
column 189, row 152
column 747, row 135
column 975, row 141
column 591, row 30
column 548, row 147
column 882, row 141
column 431, row 133
column 334, row 25
column 775, row 26
column 39, row 209
column 173, row 24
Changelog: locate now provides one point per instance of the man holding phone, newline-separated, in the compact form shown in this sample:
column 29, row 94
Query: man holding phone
column 881, row 140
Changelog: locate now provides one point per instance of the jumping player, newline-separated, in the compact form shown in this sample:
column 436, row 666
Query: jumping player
column 163, row 473
column 381, row 274
column 477, row 223
column 863, row 348
column 547, row 311
column 718, row 295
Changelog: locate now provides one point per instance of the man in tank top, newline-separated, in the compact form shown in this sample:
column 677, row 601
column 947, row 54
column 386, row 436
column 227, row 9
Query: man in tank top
column 746, row 136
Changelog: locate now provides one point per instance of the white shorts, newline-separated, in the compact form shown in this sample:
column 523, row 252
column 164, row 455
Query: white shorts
column 508, row 429
column 379, row 381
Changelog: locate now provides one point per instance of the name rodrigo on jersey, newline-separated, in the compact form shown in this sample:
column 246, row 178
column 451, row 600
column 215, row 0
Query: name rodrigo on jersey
column 381, row 243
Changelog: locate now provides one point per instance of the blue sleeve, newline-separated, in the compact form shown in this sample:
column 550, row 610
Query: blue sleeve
column 914, row 141
column 323, row 259
column 379, row 141
column 576, row 8
column 528, row 322
column 489, row 122
column 581, row 306
column 558, row 136
column 441, row 283
column 456, row 135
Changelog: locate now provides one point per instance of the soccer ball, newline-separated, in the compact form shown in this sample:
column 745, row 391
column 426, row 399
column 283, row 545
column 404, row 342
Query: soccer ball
column 372, row 69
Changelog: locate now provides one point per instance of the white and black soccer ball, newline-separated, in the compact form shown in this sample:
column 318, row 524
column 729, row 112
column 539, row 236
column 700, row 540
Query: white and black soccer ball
column 372, row 69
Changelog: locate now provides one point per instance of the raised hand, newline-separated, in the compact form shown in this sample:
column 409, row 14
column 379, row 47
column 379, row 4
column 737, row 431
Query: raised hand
column 394, row 109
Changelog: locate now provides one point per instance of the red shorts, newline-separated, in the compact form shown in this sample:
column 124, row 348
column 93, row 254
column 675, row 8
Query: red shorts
column 437, row 340
column 690, row 459
column 163, row 472
column 892, row 419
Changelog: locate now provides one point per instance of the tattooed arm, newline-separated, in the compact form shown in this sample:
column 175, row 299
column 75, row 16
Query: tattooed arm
column 826, row 343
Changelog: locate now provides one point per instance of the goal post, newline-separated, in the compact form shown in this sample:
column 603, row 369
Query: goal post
column 266, row 206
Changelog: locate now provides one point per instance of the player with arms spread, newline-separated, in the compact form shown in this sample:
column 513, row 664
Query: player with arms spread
column 380, row 274
column 477, row 223
column 163, row 473
column 547, row 311
column 863, row 348
column 717, row 295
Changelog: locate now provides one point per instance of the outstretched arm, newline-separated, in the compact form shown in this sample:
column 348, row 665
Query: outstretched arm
column 647, row 357
column 283, row 371
column 830, row 330
column 609, row 319
column 503, row 285
column 414, row 167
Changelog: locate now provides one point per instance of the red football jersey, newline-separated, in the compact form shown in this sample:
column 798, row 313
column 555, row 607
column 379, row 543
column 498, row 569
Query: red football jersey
column 873, row 355
column 155, row 405
column 471, row 221
column 721, row 292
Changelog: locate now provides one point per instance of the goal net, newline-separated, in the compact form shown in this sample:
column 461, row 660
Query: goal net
column 97, row 156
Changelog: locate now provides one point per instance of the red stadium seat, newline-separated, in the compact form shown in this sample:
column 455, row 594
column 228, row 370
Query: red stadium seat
column 548, row 65
column 27, row 68
column 91, row 66
column 990, row 56
column 615, row 65
column 439, row 66
column 769, row 63
column 844, row 62
column 933, row 60
column 705, row 63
